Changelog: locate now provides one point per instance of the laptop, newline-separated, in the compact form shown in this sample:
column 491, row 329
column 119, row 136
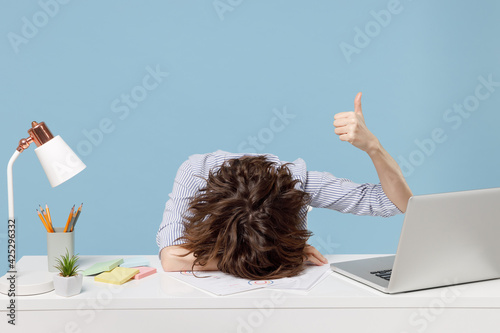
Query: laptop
column 446, row 239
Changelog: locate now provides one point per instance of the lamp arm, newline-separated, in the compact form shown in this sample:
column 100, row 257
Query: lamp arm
column 10, row 187
column 23, row 144
column 10, row 193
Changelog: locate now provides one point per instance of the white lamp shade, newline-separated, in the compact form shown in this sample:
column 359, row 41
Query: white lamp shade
column 58, row 161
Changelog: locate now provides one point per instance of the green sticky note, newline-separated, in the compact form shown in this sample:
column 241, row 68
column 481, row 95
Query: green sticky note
column 119, row 275
column 104, row 266
column 135, row 262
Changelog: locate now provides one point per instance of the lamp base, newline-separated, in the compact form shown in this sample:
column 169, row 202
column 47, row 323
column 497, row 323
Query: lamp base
column 28, row 283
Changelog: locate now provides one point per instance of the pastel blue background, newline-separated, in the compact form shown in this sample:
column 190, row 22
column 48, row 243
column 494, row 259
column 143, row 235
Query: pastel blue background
column 227, row 73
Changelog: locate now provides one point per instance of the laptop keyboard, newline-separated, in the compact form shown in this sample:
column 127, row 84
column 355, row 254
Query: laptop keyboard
column 385, row 274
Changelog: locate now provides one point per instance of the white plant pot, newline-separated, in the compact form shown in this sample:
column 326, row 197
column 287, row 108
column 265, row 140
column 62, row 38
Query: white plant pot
column 68, row 286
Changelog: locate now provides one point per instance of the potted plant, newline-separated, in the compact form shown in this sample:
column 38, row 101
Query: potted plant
column 68, row 282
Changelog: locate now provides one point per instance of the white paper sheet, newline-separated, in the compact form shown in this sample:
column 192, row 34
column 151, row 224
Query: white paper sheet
column 221, row 284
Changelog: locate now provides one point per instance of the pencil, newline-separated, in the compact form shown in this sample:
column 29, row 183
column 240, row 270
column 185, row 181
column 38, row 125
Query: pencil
column 50, row 218
column 43, row 221
column 69, row 219
column 72, row 223
column 46, row 218
column 48, row 213
column 77, row 214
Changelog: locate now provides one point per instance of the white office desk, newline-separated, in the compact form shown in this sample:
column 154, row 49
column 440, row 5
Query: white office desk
column 337, row 304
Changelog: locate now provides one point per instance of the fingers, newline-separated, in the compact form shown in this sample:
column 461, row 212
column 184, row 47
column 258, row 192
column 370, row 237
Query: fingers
column 342, row 130
column 357, row 109
column 341, row 115
column 317, row 260
column 345, row 124
column 345, row 137
column 357, row 104
column 344, row 121
column 314, row 256
column 351, row 127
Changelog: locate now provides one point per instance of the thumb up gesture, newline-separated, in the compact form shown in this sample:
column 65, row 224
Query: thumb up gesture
column 350, row 126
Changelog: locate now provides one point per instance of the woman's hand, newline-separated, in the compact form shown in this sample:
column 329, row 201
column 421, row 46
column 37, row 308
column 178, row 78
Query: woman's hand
column 175, row 259
column 350, row 126
column 314, row 256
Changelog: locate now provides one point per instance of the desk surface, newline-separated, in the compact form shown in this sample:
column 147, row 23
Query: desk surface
column 336, row 304
column 160, row 291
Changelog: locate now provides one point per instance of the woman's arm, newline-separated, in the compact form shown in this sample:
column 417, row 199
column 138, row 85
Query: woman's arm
column 391, row 177
column 171, row 260
column 351, row 127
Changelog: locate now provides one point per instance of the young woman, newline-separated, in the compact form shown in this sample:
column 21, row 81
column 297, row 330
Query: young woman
column 245, row 214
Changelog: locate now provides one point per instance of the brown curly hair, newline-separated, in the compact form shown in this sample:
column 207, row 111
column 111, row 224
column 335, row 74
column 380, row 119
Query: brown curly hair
column 248, row 217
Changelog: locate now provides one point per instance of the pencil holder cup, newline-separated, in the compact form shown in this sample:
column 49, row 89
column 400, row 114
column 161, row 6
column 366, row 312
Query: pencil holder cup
column 58, row 243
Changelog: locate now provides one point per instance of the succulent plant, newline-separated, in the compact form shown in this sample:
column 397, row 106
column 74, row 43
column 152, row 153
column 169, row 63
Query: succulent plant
column 67, row 265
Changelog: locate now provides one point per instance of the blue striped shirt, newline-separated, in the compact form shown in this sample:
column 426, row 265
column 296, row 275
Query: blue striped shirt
column 326, row 190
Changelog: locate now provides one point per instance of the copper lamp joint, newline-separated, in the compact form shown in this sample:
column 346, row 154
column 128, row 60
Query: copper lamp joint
column 39, row 134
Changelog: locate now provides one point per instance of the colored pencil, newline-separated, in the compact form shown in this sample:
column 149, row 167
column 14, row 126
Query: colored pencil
column 44, row 214
column 43, row 221
column 48, row 213
column 70, row 217
column 47, row 220
column 77, row 214
column 50, row 218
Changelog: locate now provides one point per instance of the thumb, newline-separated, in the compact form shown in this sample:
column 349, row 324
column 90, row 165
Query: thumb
column 357, row 104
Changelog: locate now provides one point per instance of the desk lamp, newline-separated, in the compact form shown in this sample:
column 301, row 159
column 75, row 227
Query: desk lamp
column 60, row 163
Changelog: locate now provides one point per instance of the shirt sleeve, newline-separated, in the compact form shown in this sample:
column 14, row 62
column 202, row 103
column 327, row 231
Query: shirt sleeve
column 345, row 196
column 186, row 185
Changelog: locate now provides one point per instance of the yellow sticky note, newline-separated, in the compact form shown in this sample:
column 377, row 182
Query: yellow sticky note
column 118, row 275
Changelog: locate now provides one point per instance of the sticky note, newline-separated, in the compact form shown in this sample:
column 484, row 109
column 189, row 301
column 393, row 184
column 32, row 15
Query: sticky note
column 135, row 262
column 102, row 267
column 144, row 271
column 118, row 275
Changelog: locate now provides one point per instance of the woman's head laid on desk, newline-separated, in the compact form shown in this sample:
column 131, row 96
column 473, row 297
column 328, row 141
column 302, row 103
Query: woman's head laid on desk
column 248, row 217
